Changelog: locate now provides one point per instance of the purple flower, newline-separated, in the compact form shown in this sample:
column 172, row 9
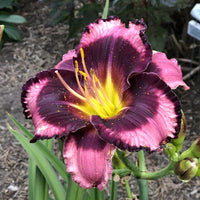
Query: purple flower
column 109, row 92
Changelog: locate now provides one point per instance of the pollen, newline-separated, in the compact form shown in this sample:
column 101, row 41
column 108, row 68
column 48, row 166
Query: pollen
column 97, row 98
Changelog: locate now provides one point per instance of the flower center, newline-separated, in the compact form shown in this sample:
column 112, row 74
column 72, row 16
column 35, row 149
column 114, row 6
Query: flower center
column 98, row 99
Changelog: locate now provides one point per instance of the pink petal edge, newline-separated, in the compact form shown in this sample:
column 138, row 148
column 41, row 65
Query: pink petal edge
column 167, row 69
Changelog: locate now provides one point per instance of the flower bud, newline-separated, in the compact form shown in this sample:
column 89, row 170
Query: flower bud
column 178, row 142
column 186, row 169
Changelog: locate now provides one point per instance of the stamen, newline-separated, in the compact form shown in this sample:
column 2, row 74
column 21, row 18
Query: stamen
column 77, row 78
column 83, row 63
column 68, row 87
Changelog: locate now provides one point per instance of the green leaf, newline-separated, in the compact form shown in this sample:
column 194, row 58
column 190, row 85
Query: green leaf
column 96, row 194
column 42, row 163
column 41, row 186
column 31, row 178
column 57, row 164
column 6, row 4
column 15, row 19
column 13, row 32
column 113, row 190
column 74, row 192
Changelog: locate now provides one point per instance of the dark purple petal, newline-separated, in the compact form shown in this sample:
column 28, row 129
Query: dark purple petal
column 111, row 48
column 88, row 158
column 47, row 102
column 167, row 70
column 67, row 61
column 153, row 115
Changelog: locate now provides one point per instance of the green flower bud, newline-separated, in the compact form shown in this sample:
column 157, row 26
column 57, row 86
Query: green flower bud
column 178, row 142
column 193, row 151
column 186, row 169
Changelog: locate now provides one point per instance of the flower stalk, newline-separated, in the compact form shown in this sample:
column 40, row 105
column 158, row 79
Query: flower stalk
column 142, row 183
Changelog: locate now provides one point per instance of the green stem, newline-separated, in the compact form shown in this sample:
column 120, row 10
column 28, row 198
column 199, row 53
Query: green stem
column 122, row 172
column 105, row 11
column 128, row 164
column 168, row 170
column 128, row 189
column 142, row 183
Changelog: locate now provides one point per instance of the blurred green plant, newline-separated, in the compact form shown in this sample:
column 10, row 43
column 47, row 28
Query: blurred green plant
column 77, row 16
column 10, row 21
column 157, row 14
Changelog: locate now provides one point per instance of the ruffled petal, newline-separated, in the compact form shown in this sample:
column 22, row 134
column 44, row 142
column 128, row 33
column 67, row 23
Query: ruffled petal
column 153, row 115
column 168, row 70
column 88, row 158
column 67, row 61
column 111, row 48
column 47, row 102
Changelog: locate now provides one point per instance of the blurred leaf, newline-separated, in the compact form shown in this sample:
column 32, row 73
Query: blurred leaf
column 157, row 38
column 42, row 163
column 75, row 26
column 89, row 12
column 60, row 11
column 12, row 31
column 6, row 4
column 15, row 19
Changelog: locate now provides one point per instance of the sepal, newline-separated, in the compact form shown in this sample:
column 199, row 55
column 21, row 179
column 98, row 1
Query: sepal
column 193, row 151
column 178, row 142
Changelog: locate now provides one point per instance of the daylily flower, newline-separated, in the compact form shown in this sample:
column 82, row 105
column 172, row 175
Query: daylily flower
column 109, row 92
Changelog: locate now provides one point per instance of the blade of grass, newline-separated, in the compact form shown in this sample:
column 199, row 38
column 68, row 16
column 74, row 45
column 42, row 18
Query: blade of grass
column 42, row 163
column 55, row 161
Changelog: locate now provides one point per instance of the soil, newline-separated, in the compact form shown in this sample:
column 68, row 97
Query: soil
column 42, row 47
